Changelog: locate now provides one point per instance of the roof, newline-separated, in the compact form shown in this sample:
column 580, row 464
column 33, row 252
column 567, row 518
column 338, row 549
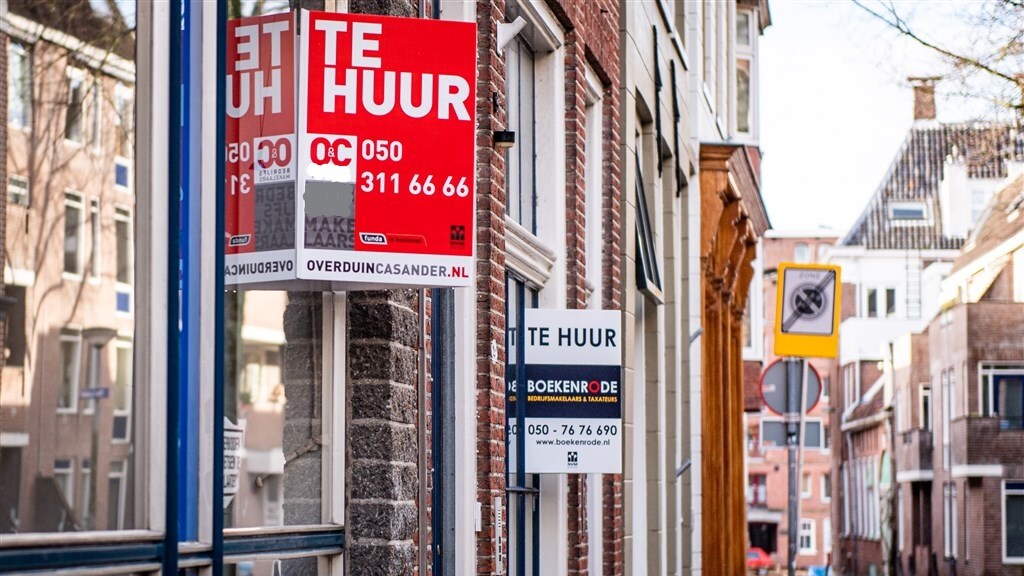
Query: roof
column 1002, row 219
column 915, row 175
column 105, row 30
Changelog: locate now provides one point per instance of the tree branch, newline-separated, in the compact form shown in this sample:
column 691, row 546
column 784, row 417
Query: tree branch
column 893, row 20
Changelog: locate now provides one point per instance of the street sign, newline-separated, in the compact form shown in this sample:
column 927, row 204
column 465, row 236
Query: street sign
column 387, row 150
column 94, row 393
column 774, row 390
column 573, row 392
column 259, row 170
column 807, row 310
column 233, row 451
column 351, row 152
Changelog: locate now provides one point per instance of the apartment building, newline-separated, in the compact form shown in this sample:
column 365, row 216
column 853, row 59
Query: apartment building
column 767, row 472
column 894, row 260
column 959, row 432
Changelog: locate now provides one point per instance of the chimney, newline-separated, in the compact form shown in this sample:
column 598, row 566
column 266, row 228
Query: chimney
column 924, row 97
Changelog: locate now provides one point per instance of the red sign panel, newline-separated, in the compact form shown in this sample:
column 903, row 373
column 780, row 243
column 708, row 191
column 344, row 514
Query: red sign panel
column 386, row 150
column 260, row 155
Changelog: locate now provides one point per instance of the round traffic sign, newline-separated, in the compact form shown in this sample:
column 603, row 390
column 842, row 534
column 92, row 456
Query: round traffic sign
column 809, row 301
column 774, row 391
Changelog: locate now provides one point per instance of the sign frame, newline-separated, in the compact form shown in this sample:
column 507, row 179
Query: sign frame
column 590, row 440
column 829, row 302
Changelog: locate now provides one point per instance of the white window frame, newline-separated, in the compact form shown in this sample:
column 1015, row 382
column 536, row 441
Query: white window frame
column 124, row 412
column 987, row 370
column 826, row 534
column 76, row 200
column 1004, row 492
column 75, row 338
column 24, row 191
column 96, row 119
column 124, row 214
column 122, row 474
column 69, row 473
column 806, row 483
column 926, row 209
column 124, row 97
column 807, row 530
column 594, row 186
column 75, row 76
column 925, row 399
column 95, row 240
column 25, row 53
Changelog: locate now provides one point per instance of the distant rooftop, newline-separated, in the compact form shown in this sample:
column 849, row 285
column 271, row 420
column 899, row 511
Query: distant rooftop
column 912, row 183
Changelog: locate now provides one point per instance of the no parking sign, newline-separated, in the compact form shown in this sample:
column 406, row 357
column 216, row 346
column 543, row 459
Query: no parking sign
column 807, row 310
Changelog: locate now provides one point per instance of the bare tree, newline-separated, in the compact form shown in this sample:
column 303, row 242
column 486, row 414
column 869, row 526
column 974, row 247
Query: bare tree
column 989, row 65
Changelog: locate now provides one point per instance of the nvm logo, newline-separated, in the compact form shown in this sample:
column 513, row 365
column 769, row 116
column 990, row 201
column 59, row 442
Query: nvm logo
column 573, row 459
column 373, row 238
column 458, row 234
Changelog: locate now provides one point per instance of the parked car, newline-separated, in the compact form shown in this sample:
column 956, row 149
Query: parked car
column 758, row 559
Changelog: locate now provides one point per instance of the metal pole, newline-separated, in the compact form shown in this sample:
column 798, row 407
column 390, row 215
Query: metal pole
column 521, row 428
column 442, row 307
column 793, row 408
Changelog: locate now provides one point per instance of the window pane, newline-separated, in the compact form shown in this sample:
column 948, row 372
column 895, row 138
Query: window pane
column 743, row 95
column 67, row 389
column 123, row 238
column 812, row 435
column 1014, row 525
column 743, row 28
column 801, row 253
column 872, row 302
column 773, row 434
column 521, row 202
column 890, row 302
column 72, row 233
column 275, row 419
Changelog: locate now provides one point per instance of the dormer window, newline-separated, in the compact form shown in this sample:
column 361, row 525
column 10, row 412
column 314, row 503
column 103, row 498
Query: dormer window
column 908, row 211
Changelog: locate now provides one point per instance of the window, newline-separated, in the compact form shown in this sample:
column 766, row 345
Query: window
column 116, row 488
column 70, row 362
column 743, row 28
column 823, row 251
column 949, row 521
column 743, row 88
column 1002, row 393
column 74, row 116
column 123, row 121
column 826, row 534
column 521, row 99
column 826, row 384
column 19, row 85
column 648, row 275
column 1013, row 522
column 925, row 415
column 594, row 186
column 890, row 302
column 806, row 538
column 948, row 403
column 73, row 212
column 805, row 486
column 95, row 233
column 872, row 303
column 773, row 434
column 979, row 200
column 122, row 391
column 96, row 130
column 801, row 252
column 17, row 191
column 845, row 495
column 908, row 211
column 757, row 490
column 826, row 487
column 64, row 476
column 85, row 510
column 123, row 241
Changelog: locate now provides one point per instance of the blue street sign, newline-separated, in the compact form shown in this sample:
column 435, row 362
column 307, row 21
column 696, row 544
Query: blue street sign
column 94, row 393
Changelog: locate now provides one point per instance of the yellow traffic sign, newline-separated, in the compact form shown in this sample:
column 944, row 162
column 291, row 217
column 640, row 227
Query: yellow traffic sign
column 807, row 310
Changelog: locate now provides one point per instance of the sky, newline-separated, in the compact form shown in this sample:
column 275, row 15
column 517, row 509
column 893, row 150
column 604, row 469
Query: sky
column 835, row 107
